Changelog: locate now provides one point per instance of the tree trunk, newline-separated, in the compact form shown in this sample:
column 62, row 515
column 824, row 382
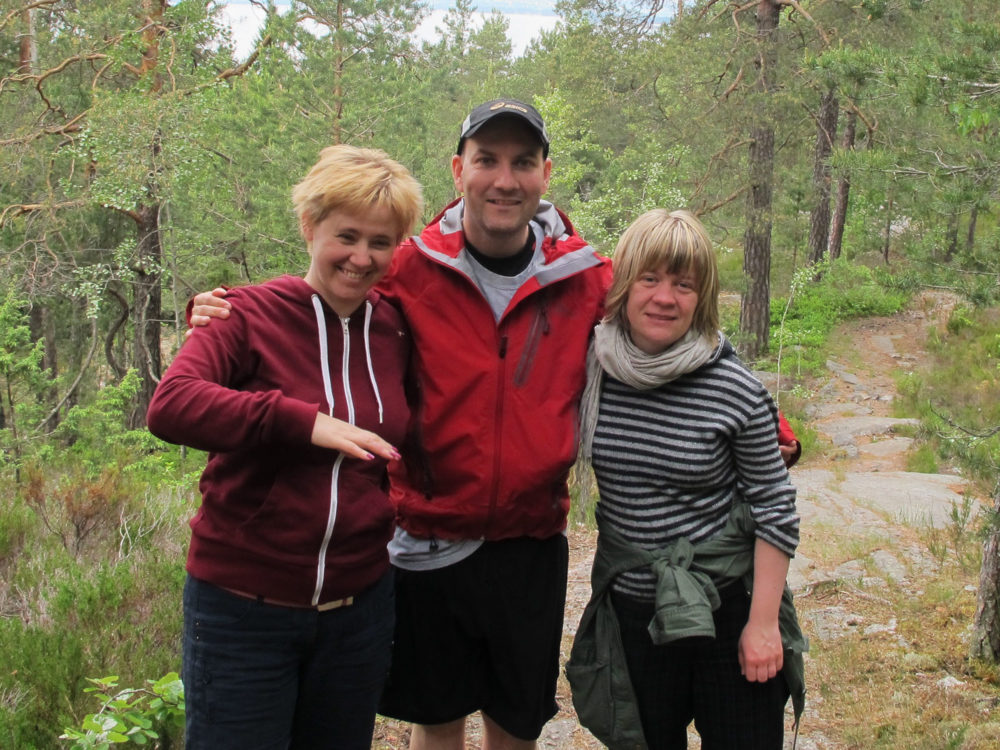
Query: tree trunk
column 28, row 48
column 970, row 238
column 951, row 246
column 819, row 218
column 843, row 190
column 42, row 329
column 755, row 312
column 986, row 625
column 888, row 229
column 338, row 77
column 147, row 302
column 146, row 311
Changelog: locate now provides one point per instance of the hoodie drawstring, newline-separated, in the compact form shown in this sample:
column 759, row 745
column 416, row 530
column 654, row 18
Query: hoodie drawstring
column 324, row 353
column 368, row 357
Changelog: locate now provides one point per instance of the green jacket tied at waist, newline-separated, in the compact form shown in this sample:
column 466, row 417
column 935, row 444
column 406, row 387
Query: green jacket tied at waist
column 687, row 578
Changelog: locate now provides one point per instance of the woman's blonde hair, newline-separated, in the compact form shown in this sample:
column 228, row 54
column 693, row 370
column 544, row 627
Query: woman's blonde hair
column 355, row 180
column 675, row 240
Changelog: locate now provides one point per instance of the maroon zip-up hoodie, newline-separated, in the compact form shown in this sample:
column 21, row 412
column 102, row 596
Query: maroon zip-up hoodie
column 280, row 517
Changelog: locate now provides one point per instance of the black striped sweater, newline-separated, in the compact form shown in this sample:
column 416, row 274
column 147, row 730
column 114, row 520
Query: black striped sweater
column 671, row 461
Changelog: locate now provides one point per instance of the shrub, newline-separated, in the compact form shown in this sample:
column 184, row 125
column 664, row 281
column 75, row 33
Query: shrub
column 803, row 321
column 147, row 716
column 92, row 543
column 957, row 398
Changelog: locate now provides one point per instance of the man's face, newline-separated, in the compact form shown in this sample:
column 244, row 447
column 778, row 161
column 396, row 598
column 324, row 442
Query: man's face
column 503, row 175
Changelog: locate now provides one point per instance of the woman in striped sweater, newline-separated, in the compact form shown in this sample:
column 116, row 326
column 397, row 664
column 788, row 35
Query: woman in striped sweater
column 693, row 490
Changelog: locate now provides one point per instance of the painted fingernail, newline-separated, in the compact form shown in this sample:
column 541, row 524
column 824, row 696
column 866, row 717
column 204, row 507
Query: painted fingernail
column 370, row 456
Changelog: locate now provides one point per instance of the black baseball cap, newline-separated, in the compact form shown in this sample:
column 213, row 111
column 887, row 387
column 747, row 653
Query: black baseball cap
column 500, row 107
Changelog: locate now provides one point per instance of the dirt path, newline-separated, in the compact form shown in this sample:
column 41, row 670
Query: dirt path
column 859, row 486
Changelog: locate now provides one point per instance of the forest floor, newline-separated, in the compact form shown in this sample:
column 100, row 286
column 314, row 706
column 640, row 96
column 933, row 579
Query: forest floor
column 867, row 524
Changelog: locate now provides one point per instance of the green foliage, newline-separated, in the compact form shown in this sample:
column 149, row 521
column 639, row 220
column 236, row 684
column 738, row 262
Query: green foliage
column 135, row 716
column 802, row 323
column 630, row 192
column 958, row 397
column 92, row 537
column 111, row 601
column 20, row 358
column 959, row 320
column 923, row 460
column 21, row 376
column 730, row 264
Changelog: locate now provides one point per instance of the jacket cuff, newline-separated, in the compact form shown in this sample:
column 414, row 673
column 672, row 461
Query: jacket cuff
column 295, row 421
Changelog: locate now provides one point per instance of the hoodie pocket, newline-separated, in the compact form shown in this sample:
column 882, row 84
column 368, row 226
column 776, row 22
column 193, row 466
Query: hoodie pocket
column 291, row 519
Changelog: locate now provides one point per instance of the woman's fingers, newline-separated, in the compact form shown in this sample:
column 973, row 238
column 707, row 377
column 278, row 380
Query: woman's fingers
column 336, row 434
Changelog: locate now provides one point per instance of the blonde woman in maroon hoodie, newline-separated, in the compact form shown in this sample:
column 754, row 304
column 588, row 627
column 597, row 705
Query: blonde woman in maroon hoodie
column 288, row 606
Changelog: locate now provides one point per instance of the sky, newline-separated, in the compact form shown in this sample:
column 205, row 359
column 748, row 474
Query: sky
column 527, row 19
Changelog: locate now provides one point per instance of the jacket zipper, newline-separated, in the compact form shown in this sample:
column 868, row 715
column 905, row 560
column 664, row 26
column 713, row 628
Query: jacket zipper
column 539, row 328
column 335, row 475
column 497, row 431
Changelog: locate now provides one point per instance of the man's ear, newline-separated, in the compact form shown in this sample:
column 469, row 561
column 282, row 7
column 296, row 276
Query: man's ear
column 456, row 172
column 548, row 174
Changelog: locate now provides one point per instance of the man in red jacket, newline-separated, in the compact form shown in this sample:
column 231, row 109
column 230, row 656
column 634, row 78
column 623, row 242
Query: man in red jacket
column 501, row 295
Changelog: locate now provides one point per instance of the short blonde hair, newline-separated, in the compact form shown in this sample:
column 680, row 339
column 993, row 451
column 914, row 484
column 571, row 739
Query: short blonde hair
column 355, row 180
column 678, row 241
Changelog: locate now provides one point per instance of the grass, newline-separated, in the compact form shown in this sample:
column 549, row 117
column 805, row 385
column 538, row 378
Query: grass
column 958, row 395
column 883, row 688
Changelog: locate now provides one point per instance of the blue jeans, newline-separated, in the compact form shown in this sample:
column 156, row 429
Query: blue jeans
column 263, row 677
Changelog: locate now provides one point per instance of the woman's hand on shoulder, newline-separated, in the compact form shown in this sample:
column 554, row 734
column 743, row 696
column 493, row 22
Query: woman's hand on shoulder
column 760, row 651
column 336, row 434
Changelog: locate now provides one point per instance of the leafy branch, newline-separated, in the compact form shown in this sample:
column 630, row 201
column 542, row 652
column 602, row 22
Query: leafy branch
column 131, row 715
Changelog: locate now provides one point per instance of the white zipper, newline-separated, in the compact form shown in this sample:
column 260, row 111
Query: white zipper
column 335, row 474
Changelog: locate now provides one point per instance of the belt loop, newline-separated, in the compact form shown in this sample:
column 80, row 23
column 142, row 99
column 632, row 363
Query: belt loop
column 335, row 604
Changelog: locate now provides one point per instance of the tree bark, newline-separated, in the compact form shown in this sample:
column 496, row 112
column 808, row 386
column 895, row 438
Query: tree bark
column 124, row 311
column 951, row 246
column 986, row 625
column 887, row 237
column 28, row 48
column 970, row 237
column 819, row 218
column 147, row 300
column 42, row 329
column 755, row 312
column 843, row 190
column 338, row 76
column 146, row 311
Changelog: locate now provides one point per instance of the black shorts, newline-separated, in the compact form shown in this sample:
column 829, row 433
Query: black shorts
column 483, row 634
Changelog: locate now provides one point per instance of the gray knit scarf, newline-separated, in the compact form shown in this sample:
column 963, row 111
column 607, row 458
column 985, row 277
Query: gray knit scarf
column 613, row 352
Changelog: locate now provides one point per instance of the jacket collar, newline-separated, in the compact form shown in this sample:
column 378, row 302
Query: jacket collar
column 550, row 226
